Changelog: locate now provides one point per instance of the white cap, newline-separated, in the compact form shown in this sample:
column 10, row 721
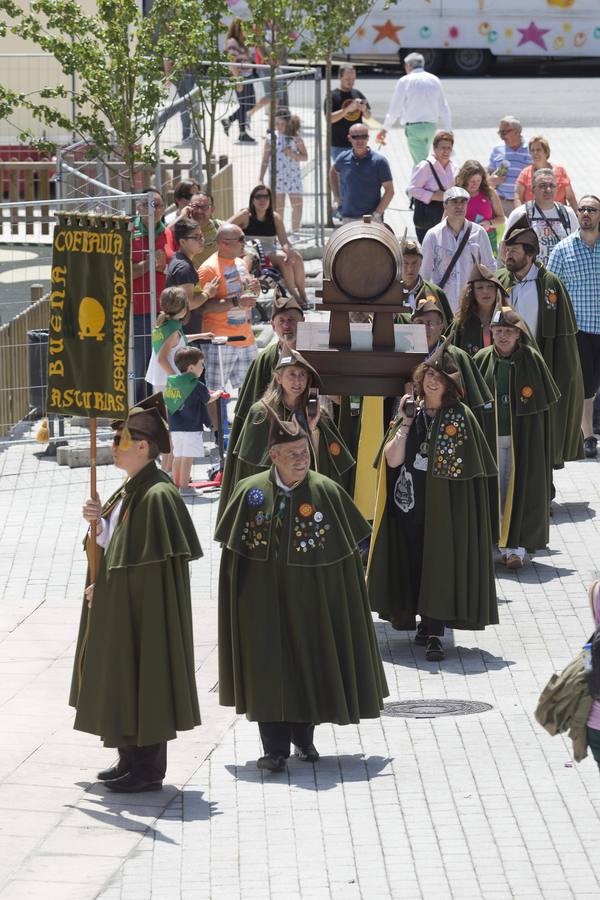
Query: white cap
column 454, row 193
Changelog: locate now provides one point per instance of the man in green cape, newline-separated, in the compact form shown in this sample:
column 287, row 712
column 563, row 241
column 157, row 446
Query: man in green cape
column 133, row 680
column 542, row 301
column 445, row 572
column 296, row 640
column 526, row 396
column 286, row 314
column 415, row 289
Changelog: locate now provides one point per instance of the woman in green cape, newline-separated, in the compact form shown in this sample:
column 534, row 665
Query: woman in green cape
column 526, row 395
column 471, row 327
column 431, row 551
column 287, row 395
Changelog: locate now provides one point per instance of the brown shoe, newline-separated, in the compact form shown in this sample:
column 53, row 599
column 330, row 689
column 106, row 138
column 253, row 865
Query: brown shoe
column 514, row 562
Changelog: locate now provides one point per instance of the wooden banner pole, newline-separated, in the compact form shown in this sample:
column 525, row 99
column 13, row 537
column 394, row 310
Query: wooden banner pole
column 93, row 494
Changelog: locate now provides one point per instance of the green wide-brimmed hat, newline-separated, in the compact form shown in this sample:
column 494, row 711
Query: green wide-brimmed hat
column 147, row 419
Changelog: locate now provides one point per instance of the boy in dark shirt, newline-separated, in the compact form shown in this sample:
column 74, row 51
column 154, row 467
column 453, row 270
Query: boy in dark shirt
column 186, row 396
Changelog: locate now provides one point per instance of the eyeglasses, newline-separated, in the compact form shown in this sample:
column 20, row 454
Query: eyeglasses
column 503, row 131
column 234, row 240
column 200, row 206
column 359, row 137
column 196, row 237
column 261, row 197
column 546, row 186
column 588, row 209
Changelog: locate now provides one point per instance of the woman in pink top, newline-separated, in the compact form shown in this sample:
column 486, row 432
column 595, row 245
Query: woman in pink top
column 540, row 154
column 484, row 206
column 432, row 177
column 593, row 722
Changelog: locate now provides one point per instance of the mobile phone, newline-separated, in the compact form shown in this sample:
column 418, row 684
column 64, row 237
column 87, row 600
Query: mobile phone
column 410, row 408
column 313, row 403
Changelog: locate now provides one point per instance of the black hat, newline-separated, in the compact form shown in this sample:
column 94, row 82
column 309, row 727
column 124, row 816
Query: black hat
column 506, row 315
column 521, row 232
column 281, row 432
column 443, row 362
column 290, row 357
column 148, row 419
column 282, row 304
column 479, row 272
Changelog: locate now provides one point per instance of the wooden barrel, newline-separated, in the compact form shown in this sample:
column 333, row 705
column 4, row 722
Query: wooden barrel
column 363, row 259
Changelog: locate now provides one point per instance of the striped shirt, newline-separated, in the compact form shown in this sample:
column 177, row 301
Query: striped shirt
column 578, row 267
column 516, row 159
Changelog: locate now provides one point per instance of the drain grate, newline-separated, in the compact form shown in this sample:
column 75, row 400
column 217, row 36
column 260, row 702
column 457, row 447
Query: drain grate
column 432, row 709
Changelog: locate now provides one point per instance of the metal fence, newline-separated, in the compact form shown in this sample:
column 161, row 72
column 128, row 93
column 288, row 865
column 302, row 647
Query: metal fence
column 298, row 87
column 23, row 339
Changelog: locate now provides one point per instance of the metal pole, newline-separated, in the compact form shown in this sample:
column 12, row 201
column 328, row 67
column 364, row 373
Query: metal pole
column 157, row 168
column 151, row 258
column 319, row 228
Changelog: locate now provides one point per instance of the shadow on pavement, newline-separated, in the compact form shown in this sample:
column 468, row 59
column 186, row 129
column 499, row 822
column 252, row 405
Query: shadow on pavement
column 577, row 511
column 108, row 808
column 533, row 573
column 325, row 775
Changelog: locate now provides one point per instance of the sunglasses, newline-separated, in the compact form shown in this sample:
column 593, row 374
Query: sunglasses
column 117, row 438
column 261, row 197
column 588, row 209
column 358, row 137
column 239, row 240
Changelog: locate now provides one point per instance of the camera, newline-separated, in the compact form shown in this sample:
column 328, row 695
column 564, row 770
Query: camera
column 313, row 403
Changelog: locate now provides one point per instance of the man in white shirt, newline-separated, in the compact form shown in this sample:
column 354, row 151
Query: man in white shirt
column 418, row 101
column 442, row 263
column 551, row 221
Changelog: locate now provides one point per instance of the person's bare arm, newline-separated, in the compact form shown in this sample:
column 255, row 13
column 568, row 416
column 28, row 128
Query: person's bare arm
column 264, row 162
column 499, row 217
column 241, row 218
column 163, row 353
column 334, row 182
column 281, row 232
column 571, row 198
column 386, row 199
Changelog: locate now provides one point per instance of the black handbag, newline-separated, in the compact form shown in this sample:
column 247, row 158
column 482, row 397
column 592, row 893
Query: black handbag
column 426, row 215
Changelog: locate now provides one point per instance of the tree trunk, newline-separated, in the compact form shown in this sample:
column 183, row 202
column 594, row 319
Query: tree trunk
column 273, row 135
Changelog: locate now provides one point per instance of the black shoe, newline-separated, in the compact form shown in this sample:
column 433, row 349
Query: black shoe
column 226, row 125
column 131, row 784
column 421, row 636
column 590, row 448
column 271, row 762
column 111, row 774
column 245, row 138
column 434, row 651
column 306, row 754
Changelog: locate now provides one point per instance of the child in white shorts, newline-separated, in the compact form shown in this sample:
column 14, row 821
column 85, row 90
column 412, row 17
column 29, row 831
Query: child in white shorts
column 186, row 396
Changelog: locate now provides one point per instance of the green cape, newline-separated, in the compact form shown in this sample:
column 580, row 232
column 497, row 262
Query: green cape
column 258, row 377
column 468, row 336
column 296, row 637
column 178, row 388
column 430, row 291
column 556, row 330
column 457, row 581
column 251, row 454
column 533, row 399
column 133, row 679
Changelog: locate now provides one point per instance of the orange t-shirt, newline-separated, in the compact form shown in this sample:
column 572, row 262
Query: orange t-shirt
column 562, row 182
column 233, row 275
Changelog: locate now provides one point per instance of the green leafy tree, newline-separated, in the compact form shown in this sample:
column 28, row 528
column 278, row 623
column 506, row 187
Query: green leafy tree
column 117, row 57
column 327, row 34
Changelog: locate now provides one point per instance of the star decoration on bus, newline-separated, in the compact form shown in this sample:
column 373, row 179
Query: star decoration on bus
column 534, row 35
column 389, row 30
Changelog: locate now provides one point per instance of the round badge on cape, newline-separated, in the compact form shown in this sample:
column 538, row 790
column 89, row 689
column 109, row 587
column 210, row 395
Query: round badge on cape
column 306, row 510
column 334, row 448
column 255, row 497
column 318, row 516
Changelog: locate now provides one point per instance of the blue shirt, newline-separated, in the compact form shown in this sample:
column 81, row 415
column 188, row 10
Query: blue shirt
column 193, row 415
column 578, row 267
column 360, row 182
column 516, row 159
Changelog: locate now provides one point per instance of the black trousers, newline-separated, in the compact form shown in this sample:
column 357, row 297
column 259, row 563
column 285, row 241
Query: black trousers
column 277, row 736
column 148, row 763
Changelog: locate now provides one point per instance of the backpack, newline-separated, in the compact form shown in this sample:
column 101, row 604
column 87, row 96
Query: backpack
column 560, row 209
column 593, row 676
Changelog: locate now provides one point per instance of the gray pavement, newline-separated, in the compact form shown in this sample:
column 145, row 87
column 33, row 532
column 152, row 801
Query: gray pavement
column 482, row 806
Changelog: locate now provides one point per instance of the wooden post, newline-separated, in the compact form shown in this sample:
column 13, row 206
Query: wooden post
column 93, row 494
